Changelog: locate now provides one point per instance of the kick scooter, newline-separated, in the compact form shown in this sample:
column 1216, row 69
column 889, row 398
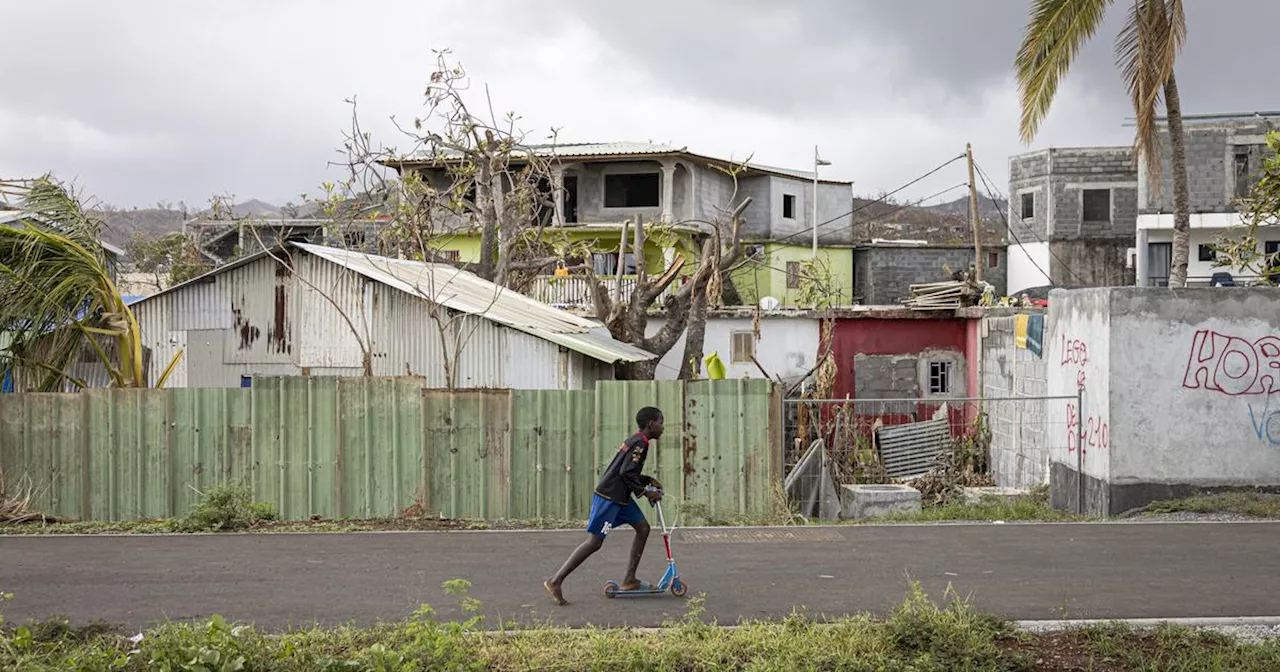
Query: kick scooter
column 670, row 580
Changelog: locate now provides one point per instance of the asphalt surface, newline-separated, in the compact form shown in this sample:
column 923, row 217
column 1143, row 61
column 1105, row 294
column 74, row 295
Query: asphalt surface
column 1026, row 572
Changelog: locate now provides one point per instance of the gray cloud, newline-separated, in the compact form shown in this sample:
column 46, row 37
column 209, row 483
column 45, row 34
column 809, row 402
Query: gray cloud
column 152, row 100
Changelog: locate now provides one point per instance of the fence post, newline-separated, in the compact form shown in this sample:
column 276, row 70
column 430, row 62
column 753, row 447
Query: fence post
column 1080, row 450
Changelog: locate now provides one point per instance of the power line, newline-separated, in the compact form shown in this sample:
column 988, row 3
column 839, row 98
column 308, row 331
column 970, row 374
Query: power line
column 868, row 204
column 983, row 175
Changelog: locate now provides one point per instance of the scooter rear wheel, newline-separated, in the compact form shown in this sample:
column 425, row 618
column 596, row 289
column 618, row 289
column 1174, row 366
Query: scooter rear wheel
column 678, row 588
column 611, row 589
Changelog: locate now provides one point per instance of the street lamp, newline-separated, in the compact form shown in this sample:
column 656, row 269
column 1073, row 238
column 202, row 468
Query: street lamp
column 817, row 161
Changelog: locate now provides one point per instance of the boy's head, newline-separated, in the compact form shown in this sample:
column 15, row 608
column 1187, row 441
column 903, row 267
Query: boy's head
column 649, row 420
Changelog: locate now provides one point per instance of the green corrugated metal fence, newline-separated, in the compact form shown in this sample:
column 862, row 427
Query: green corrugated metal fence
column 373, row 447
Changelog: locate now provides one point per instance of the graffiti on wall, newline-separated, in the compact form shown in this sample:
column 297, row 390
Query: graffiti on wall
column 1238, row 367
column 1074, row 358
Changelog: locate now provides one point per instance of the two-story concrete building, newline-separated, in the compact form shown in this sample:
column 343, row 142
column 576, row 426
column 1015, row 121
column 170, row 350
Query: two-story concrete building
column 598, row 186
column 1072, row 216
column 1224, row 155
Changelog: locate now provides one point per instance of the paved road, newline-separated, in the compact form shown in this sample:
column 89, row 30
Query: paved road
column 1020, row 571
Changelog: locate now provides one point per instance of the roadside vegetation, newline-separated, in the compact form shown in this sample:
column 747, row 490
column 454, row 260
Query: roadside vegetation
column 918, row 634
column 991, row 508
column 1244, row 504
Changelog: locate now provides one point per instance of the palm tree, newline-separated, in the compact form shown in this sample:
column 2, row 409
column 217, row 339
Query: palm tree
column 1146, row 49
column 57, row 297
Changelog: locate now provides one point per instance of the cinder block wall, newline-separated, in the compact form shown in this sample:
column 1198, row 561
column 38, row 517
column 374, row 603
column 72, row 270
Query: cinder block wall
column 1018, row 382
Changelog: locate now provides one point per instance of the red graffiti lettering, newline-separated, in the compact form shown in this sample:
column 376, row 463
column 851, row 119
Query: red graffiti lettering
column 1074, row 351
column 1232, row 365
column 1097, row 432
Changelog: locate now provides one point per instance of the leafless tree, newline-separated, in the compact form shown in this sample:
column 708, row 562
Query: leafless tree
column 471, row 174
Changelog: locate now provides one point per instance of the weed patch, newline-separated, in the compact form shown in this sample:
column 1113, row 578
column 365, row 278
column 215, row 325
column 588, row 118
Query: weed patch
column 1252, row 504
column 987, row 508
column 228, row 506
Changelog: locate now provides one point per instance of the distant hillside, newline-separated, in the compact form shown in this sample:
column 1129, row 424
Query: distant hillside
column 941, row 224
column 150, row 222
column 987, row 208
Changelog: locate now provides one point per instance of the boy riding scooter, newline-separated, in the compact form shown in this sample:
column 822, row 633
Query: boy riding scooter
column 612, row 504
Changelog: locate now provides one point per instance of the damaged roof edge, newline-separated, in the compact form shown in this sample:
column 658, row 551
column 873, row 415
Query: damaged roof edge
column 503, row 306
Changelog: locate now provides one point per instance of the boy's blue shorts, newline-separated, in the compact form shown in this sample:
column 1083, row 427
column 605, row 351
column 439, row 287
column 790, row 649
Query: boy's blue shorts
column 606, row 515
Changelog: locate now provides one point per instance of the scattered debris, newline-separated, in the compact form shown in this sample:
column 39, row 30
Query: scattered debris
column 947, row 295
column 16, row 508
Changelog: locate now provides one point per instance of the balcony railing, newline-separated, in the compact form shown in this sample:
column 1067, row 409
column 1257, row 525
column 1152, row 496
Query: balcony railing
column 1212, row 281
column 575, row 291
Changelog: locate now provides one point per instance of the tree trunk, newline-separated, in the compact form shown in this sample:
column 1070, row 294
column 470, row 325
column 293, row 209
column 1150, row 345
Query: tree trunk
column 485, row 201
column 1181, row 198
column 695, row 336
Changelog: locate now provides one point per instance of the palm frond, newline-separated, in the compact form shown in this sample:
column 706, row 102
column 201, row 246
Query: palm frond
column 1146, row 50
column 1055, row 33
column 57, row 298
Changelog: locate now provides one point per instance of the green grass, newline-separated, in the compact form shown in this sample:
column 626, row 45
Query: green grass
column 1252, row 504
column 986, row 508
column 918, row 635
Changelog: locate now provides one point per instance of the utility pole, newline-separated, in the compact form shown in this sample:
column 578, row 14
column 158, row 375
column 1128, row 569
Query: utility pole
column 973, row 216
column 817, row 161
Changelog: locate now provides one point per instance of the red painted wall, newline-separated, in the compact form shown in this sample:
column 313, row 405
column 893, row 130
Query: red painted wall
column 875, row 336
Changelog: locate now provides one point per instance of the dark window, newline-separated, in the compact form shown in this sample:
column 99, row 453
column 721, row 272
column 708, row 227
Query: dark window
column 1097, row 205
column 742, row 347
column 571, row 199
column 1028, row 206
column 788, row 206
column 793, row 275
column 993, row 259
column 633, row 190
column 1207, row 253
column 939, row 377
column 1242, row 173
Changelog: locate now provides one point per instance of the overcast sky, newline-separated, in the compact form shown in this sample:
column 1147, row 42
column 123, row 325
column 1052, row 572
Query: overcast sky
column 146, row 100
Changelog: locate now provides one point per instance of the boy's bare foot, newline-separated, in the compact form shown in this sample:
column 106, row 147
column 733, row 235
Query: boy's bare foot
column 554, row 589
column 634, row 584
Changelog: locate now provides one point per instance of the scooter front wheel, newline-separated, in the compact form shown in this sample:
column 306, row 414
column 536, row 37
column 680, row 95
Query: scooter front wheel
column 611, row 589
column 678, row 588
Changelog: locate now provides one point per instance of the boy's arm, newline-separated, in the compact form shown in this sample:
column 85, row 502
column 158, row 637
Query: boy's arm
column 630, row 472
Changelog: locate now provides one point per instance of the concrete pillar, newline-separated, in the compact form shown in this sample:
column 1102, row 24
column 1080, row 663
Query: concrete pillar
column 668, row 191
column 557, row 187
column 1140, row 264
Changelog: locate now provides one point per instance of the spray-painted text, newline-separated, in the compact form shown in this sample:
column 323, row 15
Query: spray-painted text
column 1097, row 431
column 1236, row 367
column 1075, row 353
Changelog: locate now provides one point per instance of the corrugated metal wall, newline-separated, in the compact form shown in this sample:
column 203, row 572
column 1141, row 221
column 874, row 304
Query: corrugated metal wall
column 371, row 447
column 320, row 320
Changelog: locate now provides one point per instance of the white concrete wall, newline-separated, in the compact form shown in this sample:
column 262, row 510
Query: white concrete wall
column 787, row 347
column 1078, row 352
column 1028, row 264
column 1194, row 386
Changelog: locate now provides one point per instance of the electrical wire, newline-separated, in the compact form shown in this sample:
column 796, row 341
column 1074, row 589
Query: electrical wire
column 982, row 174
column 864, row 206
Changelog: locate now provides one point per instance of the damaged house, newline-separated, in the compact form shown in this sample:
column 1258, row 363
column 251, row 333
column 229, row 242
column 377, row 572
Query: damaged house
column 309, row 310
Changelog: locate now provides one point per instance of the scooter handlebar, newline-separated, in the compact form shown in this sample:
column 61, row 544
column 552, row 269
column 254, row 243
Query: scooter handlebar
column 650, row 488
